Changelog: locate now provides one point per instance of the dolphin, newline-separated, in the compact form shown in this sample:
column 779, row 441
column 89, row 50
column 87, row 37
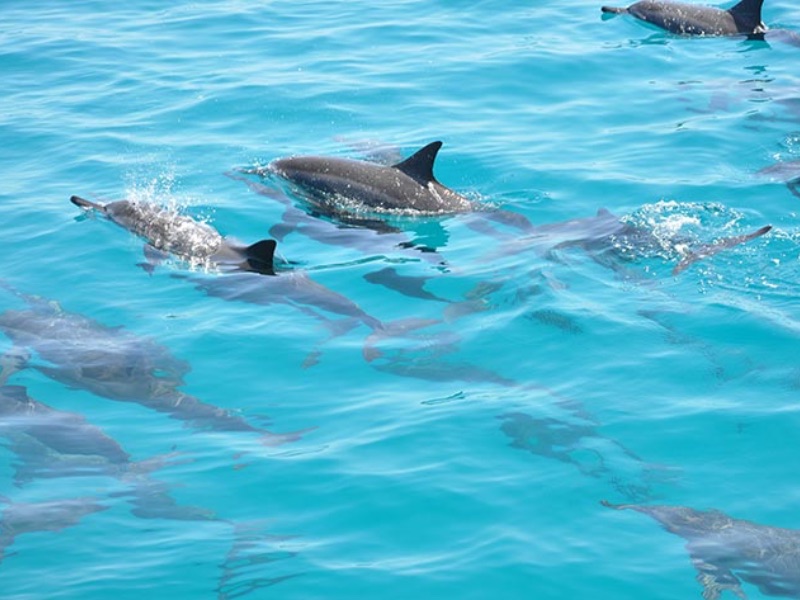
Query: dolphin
column 788, row 172
column 369, row 235
column 341, row 185
column 607, row 238
column 18, row 518
column 573, row 437
column 114, row 363
column 170, row 232
column 726, row 551
column 51, row 443
column 693, row 19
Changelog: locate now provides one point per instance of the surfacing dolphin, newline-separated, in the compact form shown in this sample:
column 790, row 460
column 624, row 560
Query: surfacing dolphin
column 726, row 551
column 607, row 238
column 170, row 232
column 342, row 185
column 692, row 19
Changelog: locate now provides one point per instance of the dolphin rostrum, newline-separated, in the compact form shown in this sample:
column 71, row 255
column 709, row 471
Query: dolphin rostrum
column 726, row 551
column 692, row 19
column 341, row 185
column 174, row 233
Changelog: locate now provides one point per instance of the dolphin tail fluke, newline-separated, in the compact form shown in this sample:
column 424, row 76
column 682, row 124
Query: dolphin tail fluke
column 708, row 250
column 85, row 204
column 259, row 257
column 614, row 10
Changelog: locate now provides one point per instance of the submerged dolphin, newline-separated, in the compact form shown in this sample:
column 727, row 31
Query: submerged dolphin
column 52, row 443
column 726, row 551
column 345, row 185
column 20, row 518
column 608, row 238
column 573, row 437
column 170, row 232
column 692, row 19
column 113, row 363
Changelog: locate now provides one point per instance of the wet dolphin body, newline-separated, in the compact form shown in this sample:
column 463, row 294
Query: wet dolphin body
column 726, row 551
column 113, row 363
column 173, row 233
column 369, row 235
column 693, row 19
column 340, row 184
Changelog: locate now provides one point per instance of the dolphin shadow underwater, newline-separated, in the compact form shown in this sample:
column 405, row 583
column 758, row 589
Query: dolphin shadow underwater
column 692, row 19
column 113, row 363
column 726, row 551
column 571, row 436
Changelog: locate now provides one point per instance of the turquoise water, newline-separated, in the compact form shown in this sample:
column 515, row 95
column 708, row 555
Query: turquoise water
column 418, row 472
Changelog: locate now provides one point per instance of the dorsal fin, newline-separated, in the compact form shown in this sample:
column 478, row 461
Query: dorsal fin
column 419, row 166
column 260, row 257
column 747, row 15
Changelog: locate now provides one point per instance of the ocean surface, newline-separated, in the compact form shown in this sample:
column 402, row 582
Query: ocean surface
column 434, row 412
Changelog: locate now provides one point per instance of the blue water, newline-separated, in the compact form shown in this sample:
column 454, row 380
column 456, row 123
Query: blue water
column 408, row 480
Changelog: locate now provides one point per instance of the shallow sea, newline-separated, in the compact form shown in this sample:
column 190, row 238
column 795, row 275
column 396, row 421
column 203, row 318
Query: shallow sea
column 463, row 451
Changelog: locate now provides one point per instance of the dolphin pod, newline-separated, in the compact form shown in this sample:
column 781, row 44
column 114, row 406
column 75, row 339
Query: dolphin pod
column 692, row 19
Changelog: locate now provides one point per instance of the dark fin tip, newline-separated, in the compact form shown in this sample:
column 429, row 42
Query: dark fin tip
column 261, row 257
column 419, row 166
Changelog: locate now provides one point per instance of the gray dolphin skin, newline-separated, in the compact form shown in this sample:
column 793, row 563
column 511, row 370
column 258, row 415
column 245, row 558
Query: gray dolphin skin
column 173, row 233
column 348, row 185
column 726, row 551
column 692, row 19
column 113, row 363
